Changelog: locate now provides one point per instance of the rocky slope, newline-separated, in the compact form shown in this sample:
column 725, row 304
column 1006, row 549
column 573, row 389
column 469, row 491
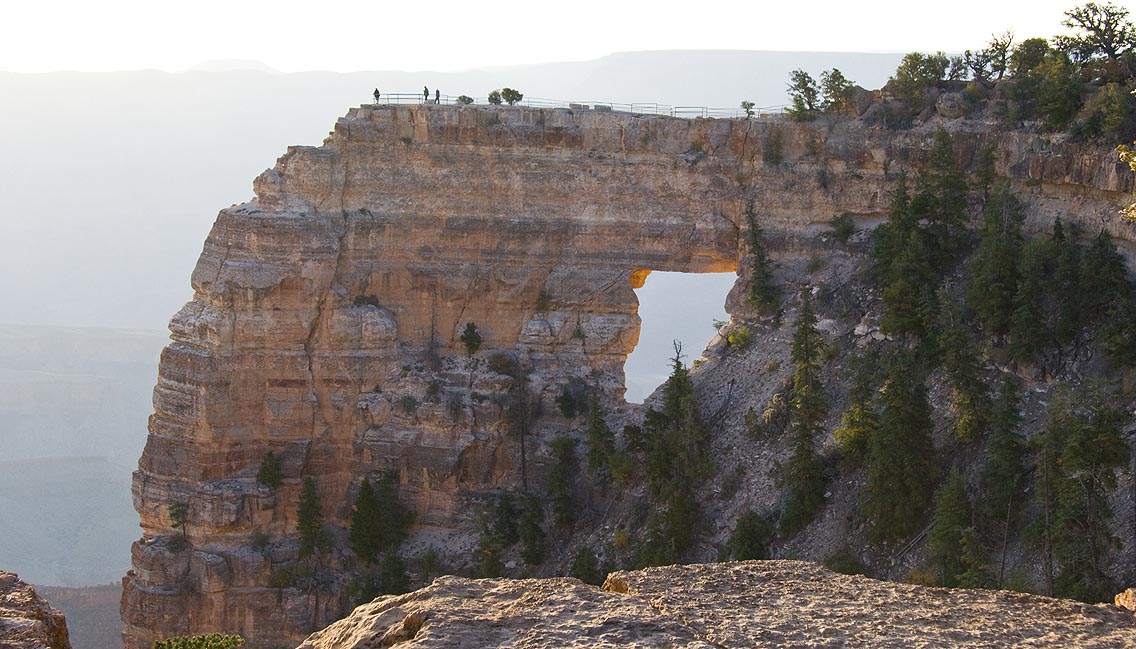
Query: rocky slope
column 745, row 604
column 27, row 621
column 326, row 320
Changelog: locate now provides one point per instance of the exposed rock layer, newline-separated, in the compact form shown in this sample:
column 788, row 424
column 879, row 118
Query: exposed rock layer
column 27, row 621
column 327, row 313
column 747, row 604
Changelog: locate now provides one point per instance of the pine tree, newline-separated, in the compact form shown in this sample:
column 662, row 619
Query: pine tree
column 994, row 269
column 940, row 199
column 901, row 459
column 505, row 520
column 952, row 518
column 750, row 538
column 600, row 440
column 805, row 477
column 859, row 420
column 1065, row 285
column 677, row 461
column 1083, row 448
column 530, row 529
column 379, row 520
column 970, row 399
column 309, row 518
column 560, row 481
column 586, row 567
column 974, row 573
column 1003, row 475
column 1029, row 334
column 763, row 294
column 270, row 472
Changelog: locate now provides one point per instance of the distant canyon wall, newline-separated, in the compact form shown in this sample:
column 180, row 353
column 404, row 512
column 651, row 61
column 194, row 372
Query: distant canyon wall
column 327, row 314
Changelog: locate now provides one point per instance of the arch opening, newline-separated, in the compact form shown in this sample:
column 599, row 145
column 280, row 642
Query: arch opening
column 672, row 306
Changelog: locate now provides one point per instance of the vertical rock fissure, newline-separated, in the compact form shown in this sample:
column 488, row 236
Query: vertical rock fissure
column 317, row 320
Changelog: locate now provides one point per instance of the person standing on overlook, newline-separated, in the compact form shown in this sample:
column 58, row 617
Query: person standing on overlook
column 376, row 95
column 437, row 96
column 425, row 94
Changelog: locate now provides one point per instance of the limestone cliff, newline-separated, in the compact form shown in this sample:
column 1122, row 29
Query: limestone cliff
column 327, row 312
column 746, row 604
column 27, row 621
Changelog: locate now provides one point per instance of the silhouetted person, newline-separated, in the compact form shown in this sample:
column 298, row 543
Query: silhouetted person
column 437, row 96
column 376, row 95
column 425, row 94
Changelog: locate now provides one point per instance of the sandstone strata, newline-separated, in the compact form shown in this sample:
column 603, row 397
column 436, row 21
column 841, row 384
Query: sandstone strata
column 27, row 621
column 327, row 312
column 748, row 604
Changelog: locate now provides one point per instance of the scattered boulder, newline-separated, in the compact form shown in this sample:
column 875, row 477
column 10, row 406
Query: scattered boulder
column 951, row 105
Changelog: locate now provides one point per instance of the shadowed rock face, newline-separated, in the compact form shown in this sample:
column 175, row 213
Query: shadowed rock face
column 27, row 621
column 746, row 604
column 327, row 314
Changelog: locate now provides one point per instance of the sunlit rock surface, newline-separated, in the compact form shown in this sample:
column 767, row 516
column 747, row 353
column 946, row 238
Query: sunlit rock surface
column 747, row 604
column 27, row 621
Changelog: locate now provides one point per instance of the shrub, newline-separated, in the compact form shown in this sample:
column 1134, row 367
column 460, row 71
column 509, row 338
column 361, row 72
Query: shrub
column 586, row 567
column 573, row 399
column 366, row 300
column 309, row 519
column 846, row 563
column 843, row 227
column 465, row 100
column 750, row 538
column 211, row 641
column 504, row 363
column 511, row 96
column 406, row 139
column 738, row 338
column 271, row 472
column 471, row 338
column 408, row 404
column 495, row 97
column 773, row 149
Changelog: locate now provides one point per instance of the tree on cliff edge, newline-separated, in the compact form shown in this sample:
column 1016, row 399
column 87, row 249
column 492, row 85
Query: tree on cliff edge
column 309, row 519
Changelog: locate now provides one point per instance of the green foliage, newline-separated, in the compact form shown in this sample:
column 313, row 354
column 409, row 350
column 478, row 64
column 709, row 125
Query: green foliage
column 388, row 578
column 1110, row 114
column 836, row 90
column 750, row 539
column 804, row 475
column 559, row 485
column 505, row 363
column 495, row 97
column 599, row 438
column 379, row 520
column 465, row 100
column 505, row 520
column 804, row 95
column 738, row 338
column 1004, row 473
column 366, row 300
column 487, row 558
column 901, row 459
column 994, row 268
column 179, row 516
column 309, row 519
column 1028, row 55
column 1082, row 449
column 586, row 567
column 970, row 399
column 952, row 517
column 843, row 227
column 211, row 641
column 859, row 421
column 845, row 563
column 573, row 399
column 471, row 338
column 1059, row 92
column 511, row 96
column 747, row 106
column 530, row 529
column 270, row 472
column 677, row 460
column 974, row 574
column 543, row 301
column 1102, row 31
column 763, row 293
column 917, row 73
column 1028, row 334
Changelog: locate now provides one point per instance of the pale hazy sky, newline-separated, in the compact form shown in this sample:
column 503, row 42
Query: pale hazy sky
column 444, row 35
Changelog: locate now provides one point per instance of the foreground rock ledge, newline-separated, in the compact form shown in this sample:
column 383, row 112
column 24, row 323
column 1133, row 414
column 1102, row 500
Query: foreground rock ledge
column 746, row 604
column 27, row 621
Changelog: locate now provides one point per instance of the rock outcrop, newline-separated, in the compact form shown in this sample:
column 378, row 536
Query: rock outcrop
column 747, row 604
column 27, row 621
column 327, row 314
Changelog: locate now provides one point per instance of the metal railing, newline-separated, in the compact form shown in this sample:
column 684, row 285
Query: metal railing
column 686, row 112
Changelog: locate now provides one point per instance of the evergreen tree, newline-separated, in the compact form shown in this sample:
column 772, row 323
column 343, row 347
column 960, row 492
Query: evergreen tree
column 805, row 478
column 994, row 271
column 804, row 95
column 309, row 518
column 505, row 520
column 530, row 529
column 379, row 521
column 1083, row 448
column 901, row 459
column 952, row 518
column 471, row 338
column 974, row 573
column 970, row 399
column 763, row 293
column 560, row 481
column 750, row 538
column 487, row 558
column 1065, row 285
column 940, row 199
column 1029, row 334
column 676, row 460
column 270, row 472
column 1003, row 475
column 586, row 567
column 600, row 440
column 859, row 420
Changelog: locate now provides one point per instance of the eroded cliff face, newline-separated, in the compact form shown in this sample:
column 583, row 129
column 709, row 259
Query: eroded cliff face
column 327, row 314
column 27, row 621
